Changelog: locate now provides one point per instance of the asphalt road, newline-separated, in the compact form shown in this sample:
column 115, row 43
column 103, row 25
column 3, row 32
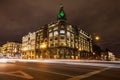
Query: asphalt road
column 55, row 71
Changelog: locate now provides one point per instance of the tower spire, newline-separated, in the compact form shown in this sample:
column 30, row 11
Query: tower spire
column 61, row 15
column 61, row 5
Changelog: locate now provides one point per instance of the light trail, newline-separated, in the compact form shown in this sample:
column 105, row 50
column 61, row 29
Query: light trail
column 113, row 64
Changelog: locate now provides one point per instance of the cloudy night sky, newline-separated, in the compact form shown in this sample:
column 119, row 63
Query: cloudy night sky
column 97, row 17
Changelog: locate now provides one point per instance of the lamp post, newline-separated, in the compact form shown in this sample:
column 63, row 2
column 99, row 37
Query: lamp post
column 96, row 48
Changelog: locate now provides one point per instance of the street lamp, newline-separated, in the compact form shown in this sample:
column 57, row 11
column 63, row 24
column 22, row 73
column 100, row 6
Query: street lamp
column 97, row 38
column 96, row 48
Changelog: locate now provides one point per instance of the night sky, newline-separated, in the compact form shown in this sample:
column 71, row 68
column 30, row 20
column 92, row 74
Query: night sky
column 97, row 17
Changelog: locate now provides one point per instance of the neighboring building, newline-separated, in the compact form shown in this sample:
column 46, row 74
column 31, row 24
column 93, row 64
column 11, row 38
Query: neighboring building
column 107, row 56
column 41, row 41
column 28, row 46
column 60, row 40
column 111, row 56
column 11, row 49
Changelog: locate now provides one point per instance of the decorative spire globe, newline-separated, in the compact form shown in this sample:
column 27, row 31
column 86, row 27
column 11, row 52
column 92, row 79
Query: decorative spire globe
column 61, row 15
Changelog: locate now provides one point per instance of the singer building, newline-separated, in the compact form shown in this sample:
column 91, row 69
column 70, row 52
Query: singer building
column 57, row 40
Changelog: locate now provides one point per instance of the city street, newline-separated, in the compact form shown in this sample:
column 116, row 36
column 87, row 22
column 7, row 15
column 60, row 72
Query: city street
column 58, row 71
column 59, row 40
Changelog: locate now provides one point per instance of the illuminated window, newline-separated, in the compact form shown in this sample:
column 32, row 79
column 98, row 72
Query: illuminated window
column 55, row 28
column 50, row 34
column 50, row 30
column 62, row 31
column 68, row 44
column 55, row 33
column 69, row 27
column 52, row 25
column 72, row 35
column 68, row 33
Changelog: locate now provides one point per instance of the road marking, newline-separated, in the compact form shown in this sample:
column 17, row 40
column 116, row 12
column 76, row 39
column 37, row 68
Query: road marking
column 87, row 74
column 20, row 74
column 49, row 72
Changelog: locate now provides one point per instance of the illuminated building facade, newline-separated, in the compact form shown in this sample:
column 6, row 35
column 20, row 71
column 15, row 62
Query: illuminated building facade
column 60, row 40
column 11, row 49
column 28, row 46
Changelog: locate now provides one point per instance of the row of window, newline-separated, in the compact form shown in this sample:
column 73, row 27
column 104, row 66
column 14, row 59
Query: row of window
column 60, row 44
column 69, row 27
column 62, row 38
column 61, row 32
column 63, row 43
